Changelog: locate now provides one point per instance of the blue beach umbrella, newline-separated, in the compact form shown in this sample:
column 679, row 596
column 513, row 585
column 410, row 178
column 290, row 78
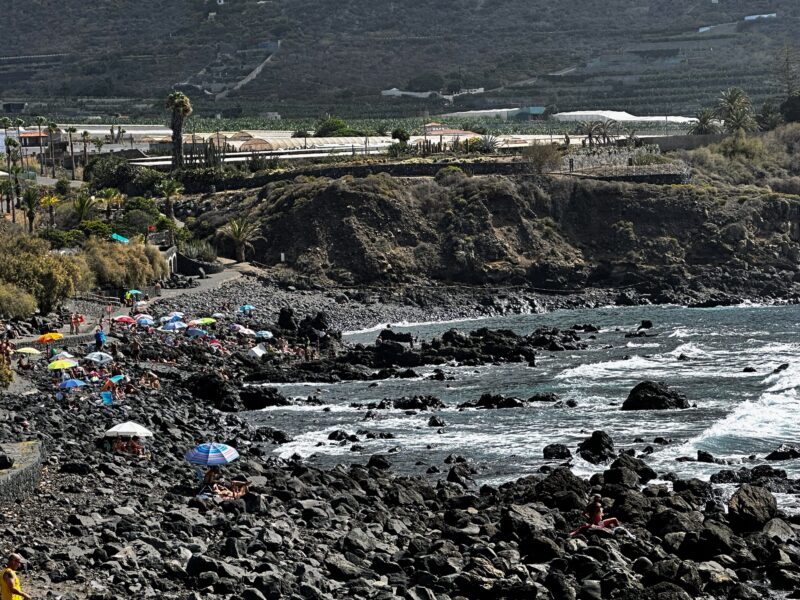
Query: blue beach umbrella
column 194, row 332
column 117, row 378
column 144, row 321
column 211, row 454
column 176, row 326
column 246, row 307
column 71, row 383
column 264, row 334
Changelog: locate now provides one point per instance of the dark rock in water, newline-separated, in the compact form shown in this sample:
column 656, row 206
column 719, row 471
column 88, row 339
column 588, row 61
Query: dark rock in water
column 749, row 370
column 258, row 398
column 646, row 324
column 651, row 395
column 705, row 457
column 341, row 436
column 494, row 401
column 377, row 461
column 556, row 451
column 435, row 421
column 750, row 508
column 543, row 397
column 395, row 336
column 780, row 368
column 419, row 403
column 683, row 357
column 597, row 449
column 6, row 462
column 784, row 452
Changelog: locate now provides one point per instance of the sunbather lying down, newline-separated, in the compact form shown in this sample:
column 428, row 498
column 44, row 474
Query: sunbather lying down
column 236, row 490
column 595, row 519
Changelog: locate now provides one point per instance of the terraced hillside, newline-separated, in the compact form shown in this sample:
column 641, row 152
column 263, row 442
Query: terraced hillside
column 338, row 54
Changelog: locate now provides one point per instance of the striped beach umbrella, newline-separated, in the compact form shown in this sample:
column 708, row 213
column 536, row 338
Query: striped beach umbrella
column 211, row 454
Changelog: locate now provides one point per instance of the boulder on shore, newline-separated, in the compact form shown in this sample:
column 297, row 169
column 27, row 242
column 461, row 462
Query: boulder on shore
column 750, row 508
column 652, row 395
column 597, row 449
column 784, row 452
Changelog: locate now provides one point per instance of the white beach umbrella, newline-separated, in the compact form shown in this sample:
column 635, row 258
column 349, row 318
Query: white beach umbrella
column 129, row 429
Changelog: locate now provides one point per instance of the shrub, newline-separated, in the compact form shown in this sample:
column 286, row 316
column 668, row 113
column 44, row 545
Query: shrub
column 124, row 265
column 6, row 375
column 50, row 278
column 448, row 175
column 108, row 172
column 542, row 157
column 741, row 146
column 95, row 228
column 199, row 250
column 62, row 187
column 146, row 205
column 63, row 239
column 145, row 182
column 197, row 181
column 136, row 222
column 15, row 303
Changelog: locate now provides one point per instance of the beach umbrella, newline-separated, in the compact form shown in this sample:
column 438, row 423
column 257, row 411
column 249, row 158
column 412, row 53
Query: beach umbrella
column 174, row 326
column 246, row 331
column 206, row 321
column 124, row 319
column 101, row 358
column 71, row 383
column 116, row 378
column 62, row 356
column 145, row 316
column 62, row 364
column 49, row 337
column 246, row 307
column 143, row 321
column 141, row 303
column 211, row 454
column 176, row 313
column 134, row 292
column 218, row 315
column 129, row 429
column 27, row 351
column 267, row 335
column 195, row 332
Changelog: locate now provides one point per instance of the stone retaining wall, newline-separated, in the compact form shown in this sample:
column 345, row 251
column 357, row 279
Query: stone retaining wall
column 21, row 479
column 189, row 266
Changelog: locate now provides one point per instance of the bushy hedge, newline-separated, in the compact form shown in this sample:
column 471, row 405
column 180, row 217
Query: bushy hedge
column 124, row 265
column 15, row 302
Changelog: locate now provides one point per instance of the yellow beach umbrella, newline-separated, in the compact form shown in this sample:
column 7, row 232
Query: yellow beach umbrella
column 27, row 351
column 62, row 364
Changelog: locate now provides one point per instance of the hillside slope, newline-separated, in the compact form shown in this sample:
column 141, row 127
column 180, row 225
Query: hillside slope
column 563, row 234
column 612, row 53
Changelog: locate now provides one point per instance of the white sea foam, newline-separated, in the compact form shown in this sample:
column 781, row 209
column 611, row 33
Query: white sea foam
column 649, row 345
column 409, row 325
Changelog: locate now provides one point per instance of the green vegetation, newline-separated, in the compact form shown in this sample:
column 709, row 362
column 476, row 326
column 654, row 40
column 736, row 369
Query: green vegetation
column 124, row 265
column 242, row 232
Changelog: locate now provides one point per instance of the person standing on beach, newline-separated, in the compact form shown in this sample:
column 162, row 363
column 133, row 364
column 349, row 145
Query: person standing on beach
column 10, row 585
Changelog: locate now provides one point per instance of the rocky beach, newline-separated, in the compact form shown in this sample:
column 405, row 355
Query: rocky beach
column 104, row 524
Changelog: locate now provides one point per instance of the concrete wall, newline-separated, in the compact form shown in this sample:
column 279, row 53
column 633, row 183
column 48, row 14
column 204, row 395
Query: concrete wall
column 188, row 266
column 668, row 143
column 21, row 479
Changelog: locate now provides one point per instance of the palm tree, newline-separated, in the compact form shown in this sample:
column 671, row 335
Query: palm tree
column 39, row 122
column 730, row 100
column 30, row 202
column 5, row 123
column 19, row 124
column 6, row 189
column 50, row 201
column 52, row 129
column 110, row 197
column 85, row 138
column 181, row 108
column 83, row 204
column 705, row 123
column 70, row 131
column 242, row 233
column 16, row 192
column 98, row 144
column 607, row 130
column 590, row 129
column 169, row 188
column 740, row 119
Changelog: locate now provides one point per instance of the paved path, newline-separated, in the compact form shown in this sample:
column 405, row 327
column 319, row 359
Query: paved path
column 230, row 273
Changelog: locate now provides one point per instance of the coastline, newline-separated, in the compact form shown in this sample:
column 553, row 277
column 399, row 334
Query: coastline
column 100, row 521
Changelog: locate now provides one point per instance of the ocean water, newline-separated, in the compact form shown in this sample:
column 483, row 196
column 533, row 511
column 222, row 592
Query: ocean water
column 738, row 415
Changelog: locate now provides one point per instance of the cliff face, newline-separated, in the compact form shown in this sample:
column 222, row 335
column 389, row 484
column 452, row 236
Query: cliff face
column 561, row 234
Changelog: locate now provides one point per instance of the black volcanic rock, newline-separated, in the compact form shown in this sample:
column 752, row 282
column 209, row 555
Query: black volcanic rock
column 651, row 395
